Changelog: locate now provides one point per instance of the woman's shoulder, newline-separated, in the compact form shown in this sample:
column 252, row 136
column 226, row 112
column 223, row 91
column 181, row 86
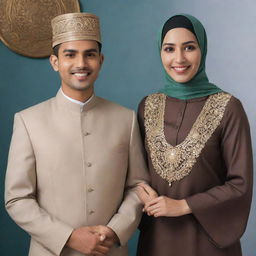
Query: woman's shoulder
column 141, row 106
column 234, row 112
column 142, row 102
column 152, row 95
column 235, row 106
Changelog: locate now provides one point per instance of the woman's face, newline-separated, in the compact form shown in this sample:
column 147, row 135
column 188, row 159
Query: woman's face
column 180, row 54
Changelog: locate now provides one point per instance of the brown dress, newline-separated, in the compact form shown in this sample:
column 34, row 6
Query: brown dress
column 218, row 189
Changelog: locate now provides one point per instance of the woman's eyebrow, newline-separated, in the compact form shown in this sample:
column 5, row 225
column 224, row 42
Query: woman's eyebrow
column 188, row 42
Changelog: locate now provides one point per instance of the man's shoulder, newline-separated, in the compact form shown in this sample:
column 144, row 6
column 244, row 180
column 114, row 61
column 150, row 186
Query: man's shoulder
column 109, row 105
column 38, row 108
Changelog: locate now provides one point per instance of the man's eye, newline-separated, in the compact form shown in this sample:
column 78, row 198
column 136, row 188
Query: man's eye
column 69, row 55
column 90, row 55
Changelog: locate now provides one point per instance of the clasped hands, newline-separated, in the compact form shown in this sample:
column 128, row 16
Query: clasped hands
column 93, row 240
column 157, row 206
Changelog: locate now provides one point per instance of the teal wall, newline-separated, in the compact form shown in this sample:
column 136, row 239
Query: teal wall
column 131, row 71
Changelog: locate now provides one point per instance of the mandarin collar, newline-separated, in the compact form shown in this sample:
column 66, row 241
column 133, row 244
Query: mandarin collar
column 204, row 98
column 66, row 103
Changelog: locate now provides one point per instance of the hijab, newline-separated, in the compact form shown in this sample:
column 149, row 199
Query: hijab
column 199, row 85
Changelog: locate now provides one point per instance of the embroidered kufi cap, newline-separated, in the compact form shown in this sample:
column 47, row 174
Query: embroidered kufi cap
column 75, row 26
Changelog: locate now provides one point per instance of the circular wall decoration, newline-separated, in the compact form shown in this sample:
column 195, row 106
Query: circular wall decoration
column 25, row 25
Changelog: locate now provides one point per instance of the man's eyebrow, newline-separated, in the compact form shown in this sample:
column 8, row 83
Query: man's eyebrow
column 91, row 50
column 69, row 50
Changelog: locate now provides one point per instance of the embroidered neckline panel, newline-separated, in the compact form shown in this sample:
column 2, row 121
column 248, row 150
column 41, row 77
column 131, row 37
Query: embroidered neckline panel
column 173, row 163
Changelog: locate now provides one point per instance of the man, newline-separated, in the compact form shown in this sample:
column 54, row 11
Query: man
column 75, row 159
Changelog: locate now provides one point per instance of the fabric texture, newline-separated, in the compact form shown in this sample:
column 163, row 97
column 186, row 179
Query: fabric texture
column 199, row 86
column 218, row 188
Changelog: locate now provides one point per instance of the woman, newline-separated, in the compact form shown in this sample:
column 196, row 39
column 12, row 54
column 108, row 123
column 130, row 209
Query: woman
column 198, row 145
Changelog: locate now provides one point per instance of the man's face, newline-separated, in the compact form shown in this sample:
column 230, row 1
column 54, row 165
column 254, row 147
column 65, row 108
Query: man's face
column 78, row 64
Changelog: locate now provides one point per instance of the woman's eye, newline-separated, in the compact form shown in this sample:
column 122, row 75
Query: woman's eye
column 168, row 49
column 190, row 48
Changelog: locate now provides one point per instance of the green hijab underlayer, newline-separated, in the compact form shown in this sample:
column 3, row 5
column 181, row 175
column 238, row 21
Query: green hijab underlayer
column 199, row 85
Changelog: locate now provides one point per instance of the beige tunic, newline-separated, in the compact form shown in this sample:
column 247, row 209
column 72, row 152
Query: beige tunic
column 72, row 166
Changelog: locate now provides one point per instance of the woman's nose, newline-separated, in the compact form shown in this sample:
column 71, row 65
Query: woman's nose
column 179, row 56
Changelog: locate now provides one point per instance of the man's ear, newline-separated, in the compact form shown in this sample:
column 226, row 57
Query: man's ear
column 101, row 59
column 54, row 62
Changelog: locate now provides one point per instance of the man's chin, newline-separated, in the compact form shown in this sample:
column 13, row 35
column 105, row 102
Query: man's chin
column 81, row 88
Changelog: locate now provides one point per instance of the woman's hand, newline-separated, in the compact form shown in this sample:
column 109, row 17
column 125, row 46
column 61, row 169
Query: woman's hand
column 165, row 206
column 145, row 193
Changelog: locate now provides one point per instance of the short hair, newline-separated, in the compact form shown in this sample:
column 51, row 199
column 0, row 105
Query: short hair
column 57, row 47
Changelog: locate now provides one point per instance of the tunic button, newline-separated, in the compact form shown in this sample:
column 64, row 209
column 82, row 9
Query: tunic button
column 89, row 164
column 90, row 189
column 86, row 133
column 91, row 212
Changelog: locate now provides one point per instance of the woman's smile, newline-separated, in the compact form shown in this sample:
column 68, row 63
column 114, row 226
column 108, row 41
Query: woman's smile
column 180, row 54
column 180, row 69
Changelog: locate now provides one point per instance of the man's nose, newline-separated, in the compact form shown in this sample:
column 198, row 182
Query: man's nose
column 81, row 61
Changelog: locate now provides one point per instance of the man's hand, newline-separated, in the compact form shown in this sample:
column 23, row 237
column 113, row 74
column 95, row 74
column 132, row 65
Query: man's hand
column 145, row 193
column 165, row 206
column 88, row 241
column 110, row 236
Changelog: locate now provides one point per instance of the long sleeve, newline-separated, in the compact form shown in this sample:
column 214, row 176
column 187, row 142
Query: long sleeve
column 126, row 220
column 21, row 194
column 223, row 210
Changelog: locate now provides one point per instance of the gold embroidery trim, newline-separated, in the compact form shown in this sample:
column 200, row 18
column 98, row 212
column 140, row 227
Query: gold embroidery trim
column 174, row 163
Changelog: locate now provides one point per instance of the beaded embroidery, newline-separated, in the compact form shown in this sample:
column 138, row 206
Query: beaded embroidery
column 174, row 163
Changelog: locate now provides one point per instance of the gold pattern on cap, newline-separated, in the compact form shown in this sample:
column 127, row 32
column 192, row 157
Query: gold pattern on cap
column 75, row 26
